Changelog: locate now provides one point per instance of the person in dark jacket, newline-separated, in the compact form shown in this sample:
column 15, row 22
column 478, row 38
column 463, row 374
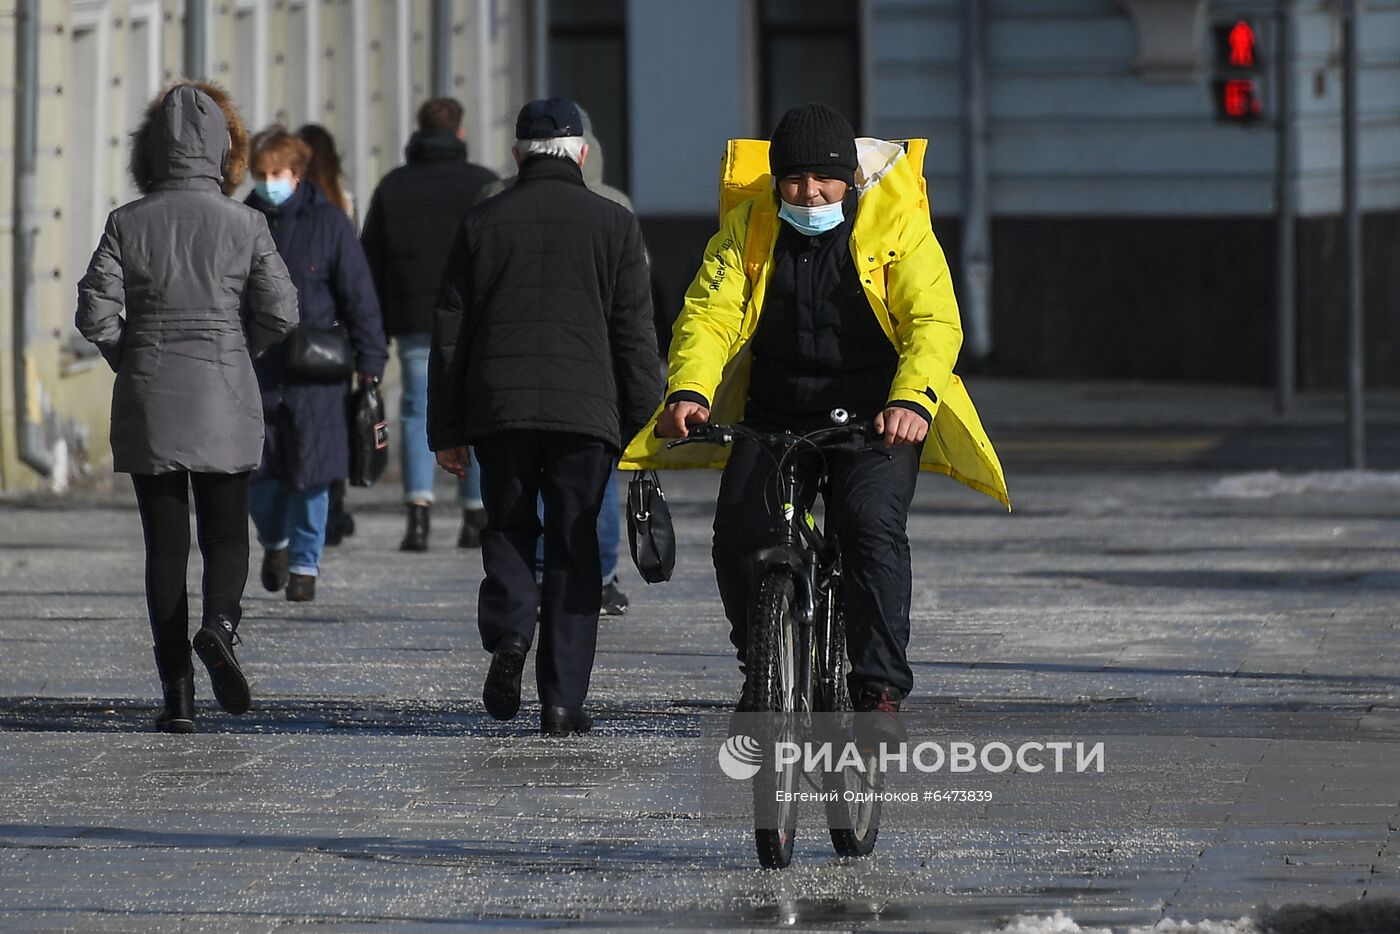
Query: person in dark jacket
column 544, row 358
column 615, row 602
column 324, row 169
column 204, row 291
column 412, row 218
column 308, row 437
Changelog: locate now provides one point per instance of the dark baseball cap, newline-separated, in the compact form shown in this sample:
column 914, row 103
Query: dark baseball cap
column 549, row 119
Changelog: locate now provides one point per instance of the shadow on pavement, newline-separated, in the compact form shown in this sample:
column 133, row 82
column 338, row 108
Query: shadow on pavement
column 319, row 716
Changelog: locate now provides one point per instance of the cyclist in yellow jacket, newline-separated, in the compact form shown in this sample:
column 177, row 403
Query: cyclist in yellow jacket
column 830, row 292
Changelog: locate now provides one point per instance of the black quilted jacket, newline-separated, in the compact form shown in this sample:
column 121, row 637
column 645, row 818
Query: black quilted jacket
column 544, row 320
column 412, row 218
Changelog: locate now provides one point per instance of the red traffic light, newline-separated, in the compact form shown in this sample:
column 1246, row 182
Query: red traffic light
column 1241, row 41
column 1236, row 46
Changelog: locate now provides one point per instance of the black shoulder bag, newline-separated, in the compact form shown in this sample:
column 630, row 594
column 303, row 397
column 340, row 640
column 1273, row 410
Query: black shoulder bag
column 649, row 529
column 319, row 355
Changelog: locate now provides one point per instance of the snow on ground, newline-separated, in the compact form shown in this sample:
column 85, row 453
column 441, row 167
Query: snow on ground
column 1060, row 923
column 1269, row 483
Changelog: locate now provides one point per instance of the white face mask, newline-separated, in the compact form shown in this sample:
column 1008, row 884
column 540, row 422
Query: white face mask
column 814, row 219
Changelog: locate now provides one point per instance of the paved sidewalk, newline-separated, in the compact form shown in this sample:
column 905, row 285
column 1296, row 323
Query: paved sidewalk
column 1228, row 633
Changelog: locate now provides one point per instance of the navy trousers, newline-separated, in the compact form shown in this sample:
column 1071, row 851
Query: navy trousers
column 568, row 472
column 868, row 512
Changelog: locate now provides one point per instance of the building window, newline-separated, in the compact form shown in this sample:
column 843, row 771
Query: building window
column 808, row 51
column 588, row 63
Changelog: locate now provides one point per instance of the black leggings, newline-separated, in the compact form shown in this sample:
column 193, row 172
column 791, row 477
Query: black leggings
column 221, row 512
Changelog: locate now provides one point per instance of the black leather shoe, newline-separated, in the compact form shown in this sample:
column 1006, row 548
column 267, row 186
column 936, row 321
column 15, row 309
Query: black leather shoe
column 473, row 522
column 501, row 695
column 416, row 538
column 214, row 644
column 275, row 570
column 561, row 721
column 301, row 588
column 177, row 686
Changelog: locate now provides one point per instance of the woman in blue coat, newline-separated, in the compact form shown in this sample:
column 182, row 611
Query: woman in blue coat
column 308, row 427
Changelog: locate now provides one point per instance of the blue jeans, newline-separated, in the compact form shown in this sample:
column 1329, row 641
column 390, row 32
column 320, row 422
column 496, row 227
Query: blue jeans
column 292, row 519
column 418, row 464
column 609, row 529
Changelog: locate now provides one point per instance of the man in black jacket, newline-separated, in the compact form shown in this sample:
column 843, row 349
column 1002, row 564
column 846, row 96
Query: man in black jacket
column 412, row 218
column 544, row 359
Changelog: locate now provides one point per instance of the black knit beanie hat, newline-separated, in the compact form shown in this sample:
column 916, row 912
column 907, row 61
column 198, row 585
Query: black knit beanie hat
column 813, row 138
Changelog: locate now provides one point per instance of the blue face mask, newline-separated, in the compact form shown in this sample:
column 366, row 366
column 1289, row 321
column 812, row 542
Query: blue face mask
column 274, row 190
column 817, row 219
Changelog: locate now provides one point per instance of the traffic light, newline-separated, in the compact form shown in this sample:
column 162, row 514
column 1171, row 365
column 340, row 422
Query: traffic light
column 1237, row 71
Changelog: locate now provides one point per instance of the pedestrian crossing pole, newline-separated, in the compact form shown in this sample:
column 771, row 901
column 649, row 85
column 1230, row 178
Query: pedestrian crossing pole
column 1285, row 221
column 196, row 26
column 1351, row 211
column 442, row 48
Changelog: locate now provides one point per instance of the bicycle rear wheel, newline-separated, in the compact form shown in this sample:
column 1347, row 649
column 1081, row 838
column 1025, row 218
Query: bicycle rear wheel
column 772, row 672
column 853, row 818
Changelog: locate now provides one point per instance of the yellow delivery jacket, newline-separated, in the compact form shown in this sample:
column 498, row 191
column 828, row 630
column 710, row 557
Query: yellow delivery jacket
column 906, row 280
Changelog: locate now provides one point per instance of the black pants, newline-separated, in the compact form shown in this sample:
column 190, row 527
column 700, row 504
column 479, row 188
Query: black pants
column 221, row 514
column 568, row 471
column 870, row 491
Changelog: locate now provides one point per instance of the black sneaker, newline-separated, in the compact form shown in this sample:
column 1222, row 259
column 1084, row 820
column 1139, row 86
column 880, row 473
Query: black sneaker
column 214, row 645
column 501, row 694
column 878, row 722
column 275, row 570
column 615, row 602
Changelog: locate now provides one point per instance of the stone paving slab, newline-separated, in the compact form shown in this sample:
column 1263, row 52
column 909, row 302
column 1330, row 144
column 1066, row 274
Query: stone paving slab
column 1236, row 654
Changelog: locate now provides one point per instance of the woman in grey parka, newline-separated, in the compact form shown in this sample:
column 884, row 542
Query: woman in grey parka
column 204, row 291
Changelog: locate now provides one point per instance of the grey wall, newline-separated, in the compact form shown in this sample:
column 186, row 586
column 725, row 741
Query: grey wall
column 1075, row 130
column 689, row 84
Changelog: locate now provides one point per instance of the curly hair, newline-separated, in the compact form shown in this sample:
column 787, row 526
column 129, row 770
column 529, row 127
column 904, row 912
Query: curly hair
column 235, row 160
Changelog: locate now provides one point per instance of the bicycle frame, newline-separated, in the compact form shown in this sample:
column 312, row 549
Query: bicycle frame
column 812, row 560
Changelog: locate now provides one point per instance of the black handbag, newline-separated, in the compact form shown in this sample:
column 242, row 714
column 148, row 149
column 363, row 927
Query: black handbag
column 649, row 530
column 319, row 355
column 369, row 435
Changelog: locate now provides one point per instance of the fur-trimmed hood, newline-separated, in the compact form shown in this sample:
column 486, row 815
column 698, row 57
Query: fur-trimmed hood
column 191, row 130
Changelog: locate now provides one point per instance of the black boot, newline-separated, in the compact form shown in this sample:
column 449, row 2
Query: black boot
column 301, row 588
column 214, row 643
column 501, row 694
column 340, row 525
column 473, row 521
column 416, row 538
column 177, row 686
column 274, row 569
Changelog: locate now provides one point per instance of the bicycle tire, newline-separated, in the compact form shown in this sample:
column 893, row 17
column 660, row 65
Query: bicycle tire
column 857, row 839
column 771, row 672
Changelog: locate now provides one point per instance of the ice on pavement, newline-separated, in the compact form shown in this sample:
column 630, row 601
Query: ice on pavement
column 1061, row 923
column 1267, row 483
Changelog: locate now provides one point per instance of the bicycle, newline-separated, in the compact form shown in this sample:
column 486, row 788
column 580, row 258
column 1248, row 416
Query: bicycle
column 796, row 654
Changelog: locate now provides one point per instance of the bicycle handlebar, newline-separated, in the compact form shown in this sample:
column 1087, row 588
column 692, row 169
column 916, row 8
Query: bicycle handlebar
column 713, row 433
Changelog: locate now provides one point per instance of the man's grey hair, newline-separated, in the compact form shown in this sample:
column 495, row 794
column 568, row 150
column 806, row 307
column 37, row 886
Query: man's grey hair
column 565, row 147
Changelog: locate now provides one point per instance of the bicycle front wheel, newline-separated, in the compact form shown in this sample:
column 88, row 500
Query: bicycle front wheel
column 853, row 808
column 772, row 673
